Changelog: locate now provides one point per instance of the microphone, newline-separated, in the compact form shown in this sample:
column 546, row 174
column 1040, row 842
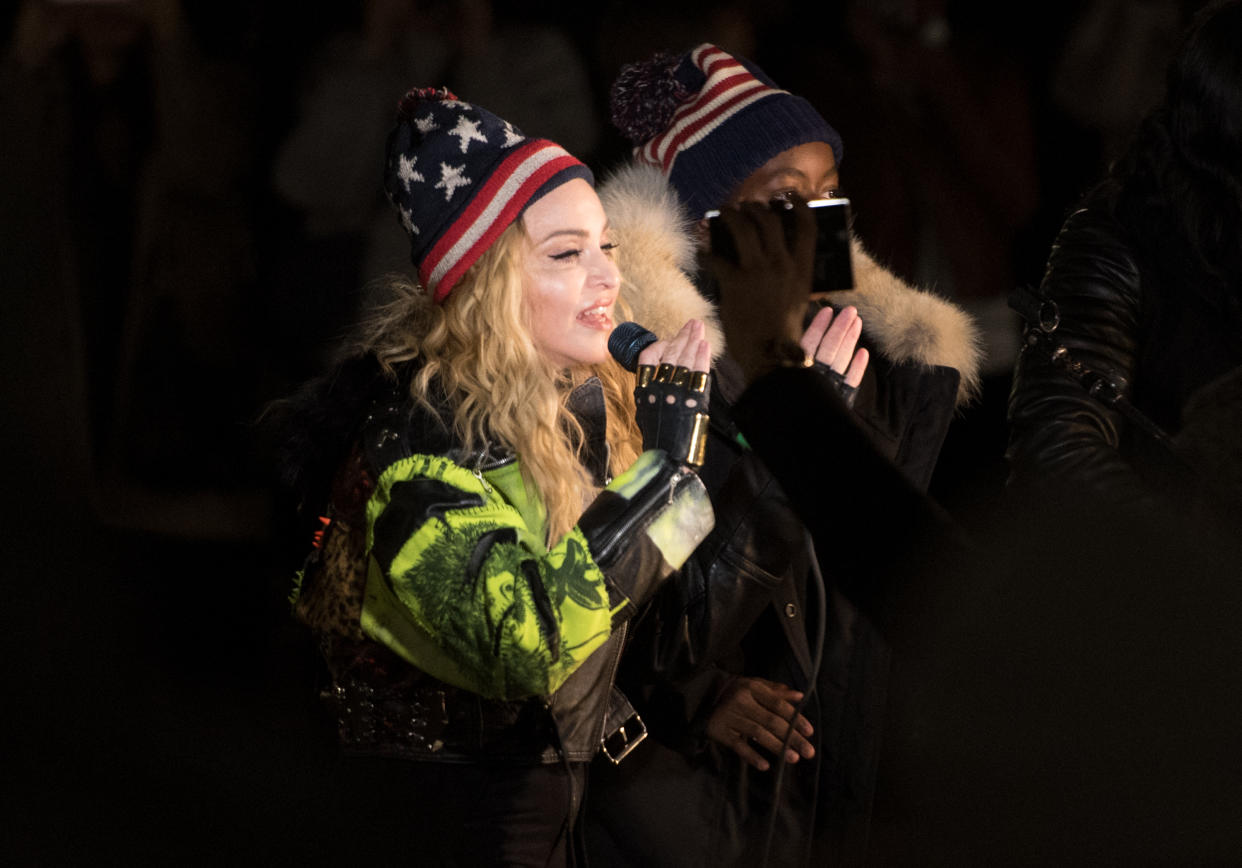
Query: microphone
column 628, row 340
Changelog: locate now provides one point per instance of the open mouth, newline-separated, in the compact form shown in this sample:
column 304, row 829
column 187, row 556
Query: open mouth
column 598, row 317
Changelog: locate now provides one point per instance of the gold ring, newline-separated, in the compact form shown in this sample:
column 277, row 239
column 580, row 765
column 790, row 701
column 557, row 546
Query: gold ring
column 697, row 449
column 663, row 373
column 645, row 373
column 681, row 376
column 698, row 381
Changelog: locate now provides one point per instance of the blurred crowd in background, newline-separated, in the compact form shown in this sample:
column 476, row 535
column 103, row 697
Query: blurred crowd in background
column 192, row 211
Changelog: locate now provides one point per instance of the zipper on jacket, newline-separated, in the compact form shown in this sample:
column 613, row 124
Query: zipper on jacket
column 639, row 510
column 484, row 461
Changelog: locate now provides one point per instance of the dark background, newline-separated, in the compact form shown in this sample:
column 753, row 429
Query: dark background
column 191, row 212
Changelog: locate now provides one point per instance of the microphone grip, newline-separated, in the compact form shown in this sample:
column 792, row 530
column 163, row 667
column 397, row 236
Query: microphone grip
column 627, row 340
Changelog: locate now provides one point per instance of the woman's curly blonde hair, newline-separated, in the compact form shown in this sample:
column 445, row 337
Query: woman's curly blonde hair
column 476, row 349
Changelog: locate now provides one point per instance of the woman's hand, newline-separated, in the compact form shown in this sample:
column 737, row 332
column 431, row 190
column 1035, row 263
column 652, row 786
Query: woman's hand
column 672, row 393
column 830, row 340
column 688, row 349
column 755, row 712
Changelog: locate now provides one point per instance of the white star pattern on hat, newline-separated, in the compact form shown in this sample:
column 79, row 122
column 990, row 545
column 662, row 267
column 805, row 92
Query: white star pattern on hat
column 426, row 124
column 405, row 171
column 451, row 178
column 407, row 220
column 512, row 136
column 468, row 131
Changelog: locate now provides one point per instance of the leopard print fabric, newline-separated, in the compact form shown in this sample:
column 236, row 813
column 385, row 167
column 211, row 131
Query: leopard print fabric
column 335, row 579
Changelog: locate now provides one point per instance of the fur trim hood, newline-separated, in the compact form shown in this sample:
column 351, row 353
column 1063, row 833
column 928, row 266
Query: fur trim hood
column 656, row 255
column 913, row 325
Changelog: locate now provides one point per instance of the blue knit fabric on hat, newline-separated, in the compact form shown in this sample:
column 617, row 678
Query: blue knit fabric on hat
column 709, row 119
column 458, row 176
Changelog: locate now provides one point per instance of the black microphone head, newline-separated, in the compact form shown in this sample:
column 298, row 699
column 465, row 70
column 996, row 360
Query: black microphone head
column 627, row 340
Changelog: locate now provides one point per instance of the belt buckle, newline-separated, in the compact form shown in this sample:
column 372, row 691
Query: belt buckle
column 627, row 736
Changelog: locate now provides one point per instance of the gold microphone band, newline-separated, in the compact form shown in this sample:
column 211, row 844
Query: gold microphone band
column 645, row 373
column 663, row 373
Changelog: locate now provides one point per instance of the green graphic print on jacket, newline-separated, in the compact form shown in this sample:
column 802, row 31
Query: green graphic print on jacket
column 463, row 587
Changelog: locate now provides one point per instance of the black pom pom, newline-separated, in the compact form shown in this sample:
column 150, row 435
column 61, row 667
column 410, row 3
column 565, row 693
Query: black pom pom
column 417, row 95
column 645, row 95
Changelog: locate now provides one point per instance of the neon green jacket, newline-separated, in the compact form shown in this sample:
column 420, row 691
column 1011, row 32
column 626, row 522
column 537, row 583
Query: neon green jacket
column 452, row 630
column 461, row 585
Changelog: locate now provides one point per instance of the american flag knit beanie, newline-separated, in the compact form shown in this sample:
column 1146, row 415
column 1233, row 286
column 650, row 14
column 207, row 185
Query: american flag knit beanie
column 709, row 119
column 458, row 176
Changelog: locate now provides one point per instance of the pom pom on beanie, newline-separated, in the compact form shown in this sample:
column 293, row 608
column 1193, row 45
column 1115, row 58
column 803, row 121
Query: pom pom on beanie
column 645, row 95
column 709, row 119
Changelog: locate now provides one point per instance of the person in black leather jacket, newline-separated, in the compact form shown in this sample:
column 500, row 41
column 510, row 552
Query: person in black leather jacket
column 1147, row 278
column 727, row 650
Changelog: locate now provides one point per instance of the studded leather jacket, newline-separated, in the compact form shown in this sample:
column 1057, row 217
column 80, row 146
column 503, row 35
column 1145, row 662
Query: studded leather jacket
column 451, row 631
column 1158, row 335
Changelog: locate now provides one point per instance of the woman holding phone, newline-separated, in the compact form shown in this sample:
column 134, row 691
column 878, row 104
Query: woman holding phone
column 752, row 727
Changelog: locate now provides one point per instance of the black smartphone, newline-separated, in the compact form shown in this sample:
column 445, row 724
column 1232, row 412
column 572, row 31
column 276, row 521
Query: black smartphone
column 833, row 267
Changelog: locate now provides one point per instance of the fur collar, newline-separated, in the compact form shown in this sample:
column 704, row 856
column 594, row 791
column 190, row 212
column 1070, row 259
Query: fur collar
column 656, row 255
column 913, row 325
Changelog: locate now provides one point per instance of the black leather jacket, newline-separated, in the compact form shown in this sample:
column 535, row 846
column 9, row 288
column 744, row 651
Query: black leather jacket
column 744, row 605
column 739, row 607
column 1156, row 338
column 758, row 551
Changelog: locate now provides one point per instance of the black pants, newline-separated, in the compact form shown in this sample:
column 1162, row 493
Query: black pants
column 451, row 814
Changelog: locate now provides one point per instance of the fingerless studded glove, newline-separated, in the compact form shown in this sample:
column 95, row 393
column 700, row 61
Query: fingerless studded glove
column 672, row 411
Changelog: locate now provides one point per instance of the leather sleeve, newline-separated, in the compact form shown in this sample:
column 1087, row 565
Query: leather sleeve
column 1059, row 433
column 644, row 526
column 906, row 409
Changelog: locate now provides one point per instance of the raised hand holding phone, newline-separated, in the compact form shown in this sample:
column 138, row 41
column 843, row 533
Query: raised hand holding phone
column 767, row 263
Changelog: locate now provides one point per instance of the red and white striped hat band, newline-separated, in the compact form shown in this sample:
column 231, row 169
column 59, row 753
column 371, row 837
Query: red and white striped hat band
column 729, row 88
column 491, row 210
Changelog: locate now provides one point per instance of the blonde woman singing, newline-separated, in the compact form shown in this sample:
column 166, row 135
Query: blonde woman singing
column 492, row 512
